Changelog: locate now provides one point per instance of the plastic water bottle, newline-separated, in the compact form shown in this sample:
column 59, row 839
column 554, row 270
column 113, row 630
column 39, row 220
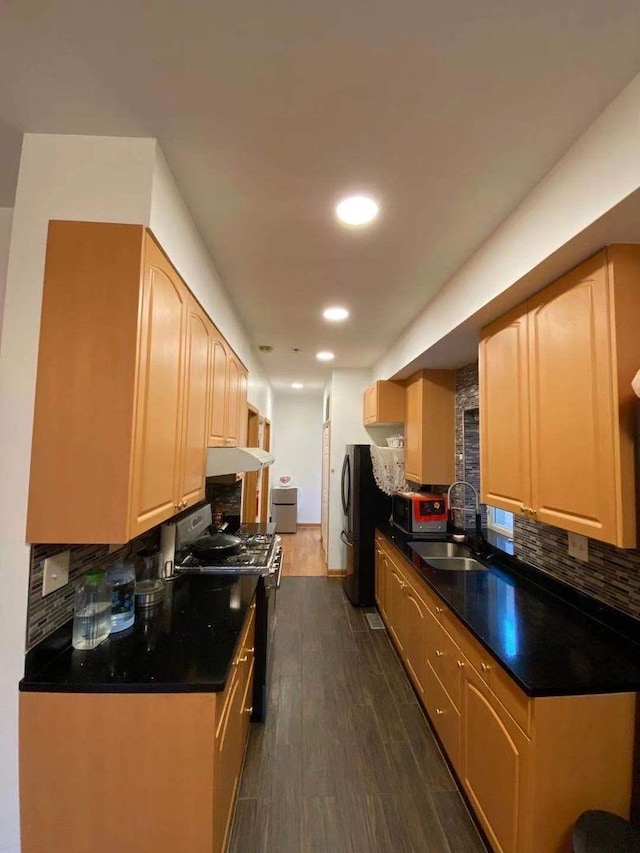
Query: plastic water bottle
column 92, row 611
column 122, row 578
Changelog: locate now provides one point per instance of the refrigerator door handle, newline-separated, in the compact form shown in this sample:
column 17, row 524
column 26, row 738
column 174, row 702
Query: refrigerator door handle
column 348, row 541
column 346, row 480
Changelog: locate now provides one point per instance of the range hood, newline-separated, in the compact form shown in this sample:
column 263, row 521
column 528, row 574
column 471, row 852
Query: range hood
column 235, row 460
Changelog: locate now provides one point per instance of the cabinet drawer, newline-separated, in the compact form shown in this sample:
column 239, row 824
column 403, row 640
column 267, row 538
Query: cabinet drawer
column 502, row 685
column 443, row 714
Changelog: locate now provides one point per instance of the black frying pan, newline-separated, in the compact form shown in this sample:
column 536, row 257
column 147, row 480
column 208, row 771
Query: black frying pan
column 215, row 546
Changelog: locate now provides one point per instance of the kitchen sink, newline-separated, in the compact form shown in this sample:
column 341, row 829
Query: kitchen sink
column 456, row 564
column 439, row 549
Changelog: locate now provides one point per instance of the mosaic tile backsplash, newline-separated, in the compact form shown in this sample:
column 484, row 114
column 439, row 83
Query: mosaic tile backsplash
column 45, row 615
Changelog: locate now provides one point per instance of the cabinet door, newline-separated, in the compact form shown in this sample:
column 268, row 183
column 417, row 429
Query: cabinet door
column 504, row 413
column 196, row 378
column 572, row 428
column 413, row 430
column 495, row 766
column 226, row 764
column 157, row 449
column 367, row 405
column 218, row 391
column 232, row 419
column 243, row 378
column 382, row 581
column 396, row 608
column 415, row 646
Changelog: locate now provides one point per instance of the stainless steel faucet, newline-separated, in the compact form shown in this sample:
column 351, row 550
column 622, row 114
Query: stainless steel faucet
column 477, row 508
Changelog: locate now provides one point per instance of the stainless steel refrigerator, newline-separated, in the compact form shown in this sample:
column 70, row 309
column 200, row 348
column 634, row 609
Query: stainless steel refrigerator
column 364, row 506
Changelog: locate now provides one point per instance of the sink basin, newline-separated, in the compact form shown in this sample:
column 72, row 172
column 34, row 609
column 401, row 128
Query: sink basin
column 456, row 564
column 439, row 549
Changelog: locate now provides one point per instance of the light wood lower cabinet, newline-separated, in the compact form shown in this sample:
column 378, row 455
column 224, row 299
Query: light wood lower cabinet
column 134, row 772
column 515, row 756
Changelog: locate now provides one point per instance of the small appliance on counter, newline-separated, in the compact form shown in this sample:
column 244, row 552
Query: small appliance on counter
column 421, row 514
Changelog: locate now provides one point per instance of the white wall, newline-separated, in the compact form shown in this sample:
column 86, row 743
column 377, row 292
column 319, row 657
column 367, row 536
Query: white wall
column 597, row 173
column 347, row 387
column 105, row 179
column 60, row 178
column 176, row 232
column 6, row 216
column 297, row 446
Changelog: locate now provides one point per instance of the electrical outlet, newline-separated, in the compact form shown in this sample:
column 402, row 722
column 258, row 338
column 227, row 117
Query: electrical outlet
column 579, row 547
column 56, row 572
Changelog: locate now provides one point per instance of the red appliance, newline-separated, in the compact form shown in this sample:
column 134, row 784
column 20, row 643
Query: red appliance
column 420, row 513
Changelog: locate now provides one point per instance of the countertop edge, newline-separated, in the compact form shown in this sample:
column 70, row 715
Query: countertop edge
column 531, row 692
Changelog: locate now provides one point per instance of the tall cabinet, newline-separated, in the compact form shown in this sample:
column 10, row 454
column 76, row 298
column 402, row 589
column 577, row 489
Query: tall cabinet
column 557, row 412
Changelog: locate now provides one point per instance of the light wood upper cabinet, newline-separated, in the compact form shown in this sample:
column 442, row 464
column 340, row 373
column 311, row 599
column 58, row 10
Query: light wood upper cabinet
column 383, row 403
column 157, row 444
column 504, row 412
column 227, row 396
column 430, row 427
column 121, row 412
column 194, row 407
column 218, row 391
column 556, row 411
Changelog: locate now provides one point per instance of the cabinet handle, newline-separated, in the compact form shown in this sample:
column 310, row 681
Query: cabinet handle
column 485, row 667
column 242, row 660
column 532, row 512
column 439, row 712
column 439, row 609
column 251, row 650
column 176, row 506
column 249, row 710
column 460, row 664
column 439, row 653
column 523, row 508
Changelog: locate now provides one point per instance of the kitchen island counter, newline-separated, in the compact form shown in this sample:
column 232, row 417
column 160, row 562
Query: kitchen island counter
column 551, row 640
column 185, row 645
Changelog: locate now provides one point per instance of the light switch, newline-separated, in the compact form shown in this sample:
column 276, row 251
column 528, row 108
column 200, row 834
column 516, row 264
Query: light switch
column 56, row 572
column 579, row 547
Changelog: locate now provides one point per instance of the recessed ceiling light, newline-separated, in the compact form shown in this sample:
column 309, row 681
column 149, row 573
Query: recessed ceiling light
column 335, row 314
column 325, row 356
column 357, row 210
column 297, row 385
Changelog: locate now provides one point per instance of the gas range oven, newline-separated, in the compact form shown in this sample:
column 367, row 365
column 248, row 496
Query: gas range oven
column 258, row 553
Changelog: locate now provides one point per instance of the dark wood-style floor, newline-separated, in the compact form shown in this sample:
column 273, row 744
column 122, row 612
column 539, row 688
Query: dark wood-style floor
column 346, row 762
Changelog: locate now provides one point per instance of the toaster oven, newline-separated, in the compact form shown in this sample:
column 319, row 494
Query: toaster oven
column 419, row 513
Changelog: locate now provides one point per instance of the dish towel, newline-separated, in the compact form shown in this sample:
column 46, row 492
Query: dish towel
column 388, row 468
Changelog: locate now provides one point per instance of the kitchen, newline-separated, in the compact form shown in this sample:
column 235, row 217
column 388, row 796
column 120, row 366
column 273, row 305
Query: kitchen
column 590, row 201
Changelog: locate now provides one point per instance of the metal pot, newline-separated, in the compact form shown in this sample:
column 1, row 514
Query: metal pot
column 216, row 546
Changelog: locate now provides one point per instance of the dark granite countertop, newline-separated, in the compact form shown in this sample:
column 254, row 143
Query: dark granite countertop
column 187, row 645
column 536, row 630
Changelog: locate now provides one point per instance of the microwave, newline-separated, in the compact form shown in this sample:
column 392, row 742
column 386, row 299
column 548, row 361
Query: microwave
column 420, row 513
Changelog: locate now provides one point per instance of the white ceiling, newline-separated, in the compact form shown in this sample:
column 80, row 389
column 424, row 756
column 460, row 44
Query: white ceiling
column 267, row 113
